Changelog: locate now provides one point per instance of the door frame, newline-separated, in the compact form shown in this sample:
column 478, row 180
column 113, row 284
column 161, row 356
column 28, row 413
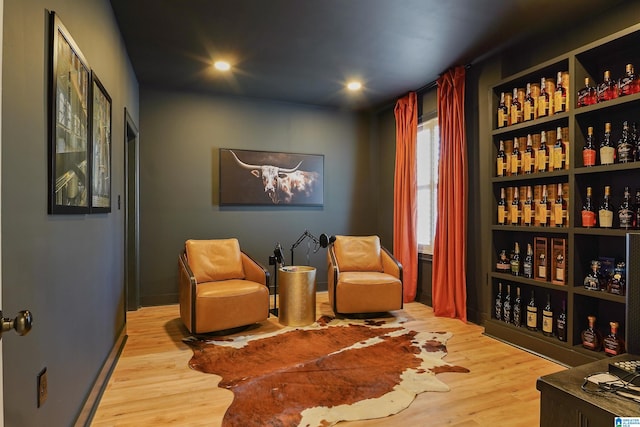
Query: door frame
column 131, row 212
column 1, row 348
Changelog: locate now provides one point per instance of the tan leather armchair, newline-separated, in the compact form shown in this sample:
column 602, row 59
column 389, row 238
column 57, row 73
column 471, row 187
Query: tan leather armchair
column 220, row 287
column 363, row 276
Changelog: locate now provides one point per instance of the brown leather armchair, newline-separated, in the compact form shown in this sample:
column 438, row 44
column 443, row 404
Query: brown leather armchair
column 220, row 287
column 363, row 276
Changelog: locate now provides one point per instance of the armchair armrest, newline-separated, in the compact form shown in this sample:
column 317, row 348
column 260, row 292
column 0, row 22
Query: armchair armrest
column 390, row 265
column 254, row 271
column 186, row 291
column 332, row 275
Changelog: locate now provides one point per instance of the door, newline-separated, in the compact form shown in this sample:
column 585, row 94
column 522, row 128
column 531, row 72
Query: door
column 132, row 233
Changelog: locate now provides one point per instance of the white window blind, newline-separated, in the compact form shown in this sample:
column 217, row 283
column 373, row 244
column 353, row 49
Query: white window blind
column 428, row 154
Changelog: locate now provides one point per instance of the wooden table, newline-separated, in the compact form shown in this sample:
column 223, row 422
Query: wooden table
column 564, row 403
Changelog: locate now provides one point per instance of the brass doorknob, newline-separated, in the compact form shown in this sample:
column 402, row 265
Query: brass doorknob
column 21, row 323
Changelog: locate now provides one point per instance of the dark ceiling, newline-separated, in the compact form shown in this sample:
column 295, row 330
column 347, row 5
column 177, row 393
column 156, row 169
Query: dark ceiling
column 304, row 51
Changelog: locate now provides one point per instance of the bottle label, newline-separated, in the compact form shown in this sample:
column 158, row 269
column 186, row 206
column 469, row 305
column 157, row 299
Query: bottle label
column 532, row 317
column 514, row 214
column 589, row 157
column 527, row 164
column 606, row 218
column 529, row 111
column 500, row 167
column 526, row 214
column 558, row 214
column 559, row 102
column 547, row 321
column 626, row 218
column 516, row 114
column 558, row 158
column 515, row 267
column 502, row 118
column 588, row 219
column 607, row 155
column 560, row 328
column 543, row 106
column 591, row 283
column 560, row 273
column 611, row 346
column 625, row 153
column 542, row 271
column 527, row 269
column 516, row 315
column 589, row 339
column 515, row 164
column 543, row 213
column 498, row 309
column 543, row 159
column 502, row 215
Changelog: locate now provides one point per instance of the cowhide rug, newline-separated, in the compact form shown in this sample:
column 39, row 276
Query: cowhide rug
column 332, row 371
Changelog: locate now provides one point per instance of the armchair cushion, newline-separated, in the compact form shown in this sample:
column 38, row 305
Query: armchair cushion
column 213, row 260
column 358, row 253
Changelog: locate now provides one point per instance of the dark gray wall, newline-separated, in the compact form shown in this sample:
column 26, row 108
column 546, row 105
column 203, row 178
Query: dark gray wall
column 181, row 134
column 67, row 269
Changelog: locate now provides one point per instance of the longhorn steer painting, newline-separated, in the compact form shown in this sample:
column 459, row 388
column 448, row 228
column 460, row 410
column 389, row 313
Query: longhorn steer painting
column 270, row 178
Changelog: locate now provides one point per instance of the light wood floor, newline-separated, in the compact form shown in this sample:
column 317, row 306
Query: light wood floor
column 153, row 386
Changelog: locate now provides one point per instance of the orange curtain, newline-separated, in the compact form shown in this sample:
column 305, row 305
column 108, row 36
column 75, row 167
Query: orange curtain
column 405, row 241
column 449, row 252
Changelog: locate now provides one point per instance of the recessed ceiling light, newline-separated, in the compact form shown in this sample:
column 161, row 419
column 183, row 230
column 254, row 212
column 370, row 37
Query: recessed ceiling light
column 222, row 65
column 354, row 85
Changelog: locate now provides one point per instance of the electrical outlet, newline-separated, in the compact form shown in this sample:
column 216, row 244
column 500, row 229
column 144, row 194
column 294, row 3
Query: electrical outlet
column 42, row 387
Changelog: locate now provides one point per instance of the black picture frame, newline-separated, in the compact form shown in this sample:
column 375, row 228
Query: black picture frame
column 249, row 177
column 69, row 96
column 100, row 164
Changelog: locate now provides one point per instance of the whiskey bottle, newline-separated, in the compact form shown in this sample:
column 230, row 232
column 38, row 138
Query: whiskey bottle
column 503, row 112
column 593, row 280
column 542, row 266
column 607, row 152
column 503, row 265
column 560, row 209
column 544, row 208
column 607, row 89
column 506, row 306
column 589, row 150
column 613, row 344
column 516, row 108
column 528, row 208
column 637, row 208
column 627, row 85
column 626, row 213
column 635, row 140
column 529, row 107
column 543, row 153
column 587, row 95
column 498, row 305
column 527, row 265
column 516, row 158
column 618, row 283
column 561, row 323
column 588, row 213
column 559, row 153
column 543, row 99
column 560, row 96
column 501, row 161
column 532, row 314
column 529, row 157
column 517, row 309
column 547, row 318
column 560, row 267
column 515, row 260
column 514, row 209
column 591, row 338
column 625, row 148
column 502, row 208
column 605, row 212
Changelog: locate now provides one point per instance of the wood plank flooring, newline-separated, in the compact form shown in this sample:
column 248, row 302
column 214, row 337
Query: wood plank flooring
column 153, row 386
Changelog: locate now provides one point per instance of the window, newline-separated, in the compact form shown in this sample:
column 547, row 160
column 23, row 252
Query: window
column 428, row 153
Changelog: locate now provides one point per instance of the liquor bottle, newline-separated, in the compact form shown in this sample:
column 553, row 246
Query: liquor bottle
column 532, row 314
column 516, row 159
column 605, row 212
column 542, row 266
column 593, row 280
column 544, row 208
column 498, row 304
column 613, row 344
column 516, row 108
column 502, row 208
column 627, row 85
column 527, row 265
column 547, row 318
column 589, row 150
column 503, row 112
column 559, row 153
column 607, row 89
column 618, row 283
column 544, row 99
column 626, row 213
column 506, row 306
column 635, row 140
column 501, row 161
column 529, row 157
column 503, row 265
column 515, row 260
column 560, row 209
column 607, row 152
column 560, row 96
column 588, row 213
column 529, row 107
column 637, row 207
column 517, row 309
column 528, row 208
column 514, row 209
column 587, row 95
column 543, row 153
column 591, row 338
column 625, row 148
column 561, row 323
column 560, row 267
